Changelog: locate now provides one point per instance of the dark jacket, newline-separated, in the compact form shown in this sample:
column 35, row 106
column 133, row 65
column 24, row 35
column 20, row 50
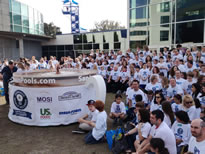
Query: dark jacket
column 7, row 73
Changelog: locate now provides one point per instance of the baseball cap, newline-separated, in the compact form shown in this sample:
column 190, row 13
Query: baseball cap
column 91, row 102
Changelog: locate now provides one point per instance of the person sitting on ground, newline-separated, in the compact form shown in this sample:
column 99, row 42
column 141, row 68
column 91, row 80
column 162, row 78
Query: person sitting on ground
column 96, row 135
column 159, row 130
column 91, row 116
column 157, row 146
column 117, row 109
column 182, row 131
column 197, row 141
column 142, row 128
column 176, row 106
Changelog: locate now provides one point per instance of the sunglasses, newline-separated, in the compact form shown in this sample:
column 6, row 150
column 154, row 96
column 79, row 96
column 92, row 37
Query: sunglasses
column 158, row 97
column 188, row 102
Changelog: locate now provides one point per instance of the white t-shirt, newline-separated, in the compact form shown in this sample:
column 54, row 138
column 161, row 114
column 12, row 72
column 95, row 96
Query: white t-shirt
column 166, row 134
column 196, row 147
column 176, row 107
column 92, row 116
column 118, row 108
column 137, row 76
column 144, row 73
column 131, row 96
column 101, row 125
column 164, row 69
column 180, row 82
column 153, row 87
column 182, row 131
column 102, row 73
column 187, row 86
column 190, row 111
column 154, row 106
column 123, row 75
column 167, row 120
column 171, row 91
column 145, row 129
column 114, row 75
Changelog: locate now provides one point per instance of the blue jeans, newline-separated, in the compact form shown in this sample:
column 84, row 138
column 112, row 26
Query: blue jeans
column 89, row 139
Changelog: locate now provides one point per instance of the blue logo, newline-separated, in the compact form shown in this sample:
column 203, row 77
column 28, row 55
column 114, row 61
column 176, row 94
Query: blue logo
column 20, row 100
column 117, row 110
column 72, row 112
column 180, row 131
column 196, row 151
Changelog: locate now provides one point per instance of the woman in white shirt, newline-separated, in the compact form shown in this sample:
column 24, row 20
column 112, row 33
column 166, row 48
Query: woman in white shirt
column 96, row 135
column 143, row 129
column 189, row 106
column 168, row 113
column 157, row 103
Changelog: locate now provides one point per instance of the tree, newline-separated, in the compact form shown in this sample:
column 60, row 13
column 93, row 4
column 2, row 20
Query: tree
column 106, row 25
column 51, row 30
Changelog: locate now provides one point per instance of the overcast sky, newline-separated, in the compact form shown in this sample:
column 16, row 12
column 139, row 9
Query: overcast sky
column 91, row 11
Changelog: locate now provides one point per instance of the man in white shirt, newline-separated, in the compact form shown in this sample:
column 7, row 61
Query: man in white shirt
column 132, row 93
column 189, row 67
column 179, row 81
column 202, row 72
column 197, row 141
column 173, row 89
column 159, row 130
column 113, row 80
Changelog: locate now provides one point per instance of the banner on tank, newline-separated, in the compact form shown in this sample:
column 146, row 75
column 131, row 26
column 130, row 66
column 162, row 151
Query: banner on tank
column 49, row 106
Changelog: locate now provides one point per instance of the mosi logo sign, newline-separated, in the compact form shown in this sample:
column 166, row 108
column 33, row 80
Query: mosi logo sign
column 45, row 113
column 44, row 99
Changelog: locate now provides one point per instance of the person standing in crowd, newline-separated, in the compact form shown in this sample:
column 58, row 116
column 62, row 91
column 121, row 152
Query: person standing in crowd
column 7, row 73
column 197, row 141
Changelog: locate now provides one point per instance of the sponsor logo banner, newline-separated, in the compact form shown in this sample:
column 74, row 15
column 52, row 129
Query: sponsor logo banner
column 44, row 99
column 22, row 114
column 45, row 113
column 20, row 99
column 72, row 112
column 69, row 96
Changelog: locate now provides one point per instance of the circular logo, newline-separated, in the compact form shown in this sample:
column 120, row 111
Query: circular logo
column 20, row 99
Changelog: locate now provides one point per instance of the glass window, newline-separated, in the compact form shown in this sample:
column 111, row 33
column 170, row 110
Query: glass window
column 117, row 45
column 60, row 47
column 87, row 46
column 10, row 5
column 190, row 32
column 69, row 47
column 77, row 39
column 78, row 47
column 69, row 53
column 25, row 21
column 17, row 19
column 106, row 46
column 24, row 10
column 16, row 7
column 11, row 18
column 85, row 38
column 134, row 33
column 45, row 48
column 116, row 38
column 136, row 3
column 96, row 46
column 190, row 9
column 165, row 20
column 141, row 13
column 164, row 35
column 165, row 7
column 17, row 29
column 25, row 30
column 31, row 23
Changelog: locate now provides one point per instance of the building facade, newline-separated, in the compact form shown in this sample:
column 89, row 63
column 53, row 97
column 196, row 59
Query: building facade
column 160, row 23
column 21, row 30
column 75, row 44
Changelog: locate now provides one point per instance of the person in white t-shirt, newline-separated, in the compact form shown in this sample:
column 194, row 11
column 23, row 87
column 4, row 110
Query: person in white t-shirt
column 118, row 111
column 159, row 130
column 113, row 80
column 90, row 116
column 182, row 130
column 188, row 106
column 124, row 78
column 96, row 135
column 142, row 128
column 179, row 81
column 176, row 106
column 162, row 66
column 188, row 83
column 197, row 141
column 168, row 113
column 154, row 85
column 144, row 76
column 132, row 93
column 173, row 90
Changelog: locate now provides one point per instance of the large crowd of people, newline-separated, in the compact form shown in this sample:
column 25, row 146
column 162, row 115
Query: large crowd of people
column 165, row 95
